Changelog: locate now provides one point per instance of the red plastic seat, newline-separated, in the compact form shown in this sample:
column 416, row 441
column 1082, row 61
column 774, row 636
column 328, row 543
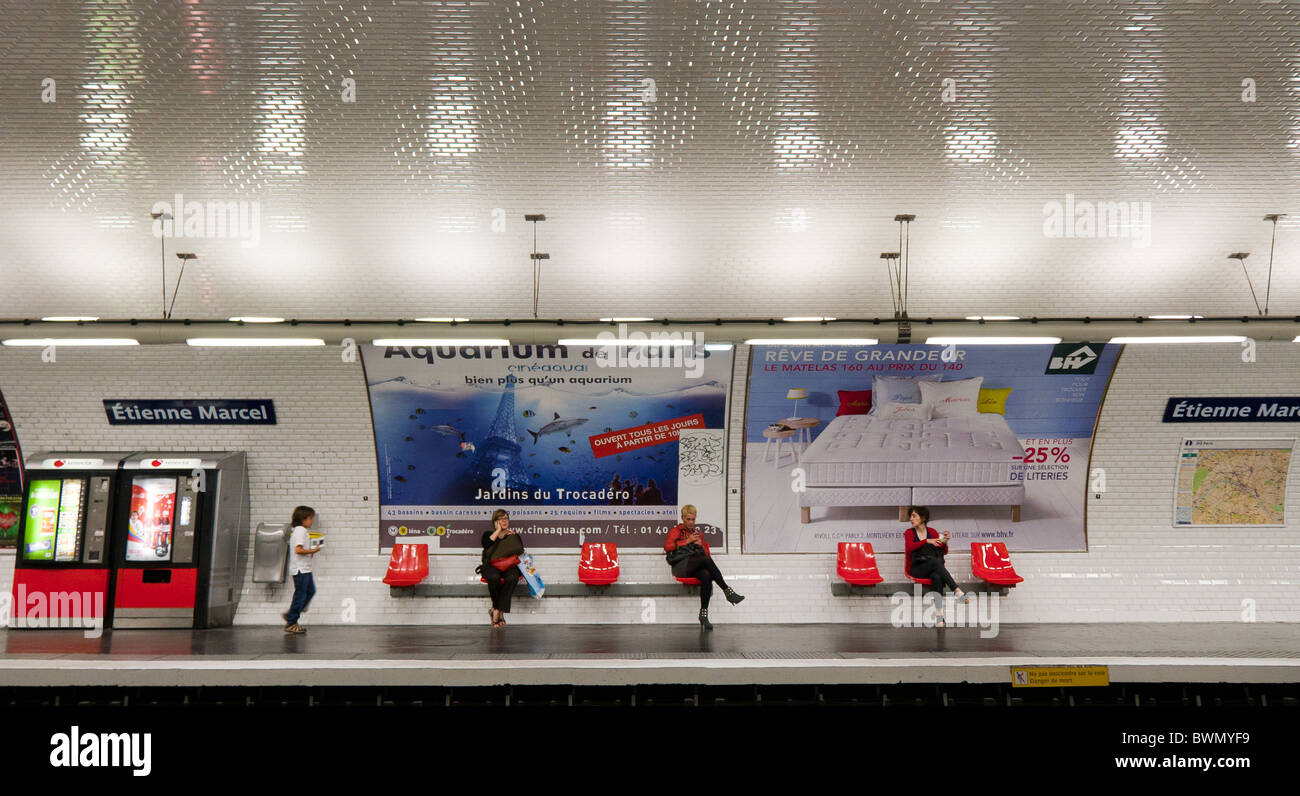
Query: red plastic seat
column 991, row 563
column 856, row 564
column 599, row 564
column 408, row 564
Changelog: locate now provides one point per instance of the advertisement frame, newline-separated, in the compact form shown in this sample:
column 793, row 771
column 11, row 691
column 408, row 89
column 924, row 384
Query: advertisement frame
column 723, row 524
column 7, row 549
column 1092, row 444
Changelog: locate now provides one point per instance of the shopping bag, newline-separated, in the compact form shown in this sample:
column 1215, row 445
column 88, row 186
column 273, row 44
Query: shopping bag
column 529, row 571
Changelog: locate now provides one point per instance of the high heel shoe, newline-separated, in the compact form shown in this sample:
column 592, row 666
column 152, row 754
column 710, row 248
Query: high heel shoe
column 732, row 597
column 705, row 624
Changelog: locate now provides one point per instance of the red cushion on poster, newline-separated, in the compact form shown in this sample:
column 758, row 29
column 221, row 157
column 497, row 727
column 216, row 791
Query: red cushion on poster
column 854, row 402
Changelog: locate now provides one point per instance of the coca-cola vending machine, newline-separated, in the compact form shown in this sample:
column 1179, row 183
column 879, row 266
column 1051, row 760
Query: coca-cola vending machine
column 179, row 558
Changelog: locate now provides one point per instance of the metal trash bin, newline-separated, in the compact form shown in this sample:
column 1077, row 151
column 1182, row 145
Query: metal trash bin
column 270, row 552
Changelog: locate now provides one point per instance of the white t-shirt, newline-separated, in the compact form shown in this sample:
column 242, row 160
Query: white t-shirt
column 297, row 561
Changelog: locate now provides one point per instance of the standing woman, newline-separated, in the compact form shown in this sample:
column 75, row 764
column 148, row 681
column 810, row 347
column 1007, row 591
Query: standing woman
column 688, row 555
column 925, row 551
column 500, row 568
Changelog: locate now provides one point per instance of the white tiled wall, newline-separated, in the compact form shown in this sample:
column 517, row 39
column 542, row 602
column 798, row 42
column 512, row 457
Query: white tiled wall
column 1137, row 568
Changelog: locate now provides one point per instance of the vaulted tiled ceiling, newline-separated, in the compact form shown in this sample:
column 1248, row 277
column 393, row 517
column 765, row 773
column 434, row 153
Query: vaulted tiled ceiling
column 693, row 158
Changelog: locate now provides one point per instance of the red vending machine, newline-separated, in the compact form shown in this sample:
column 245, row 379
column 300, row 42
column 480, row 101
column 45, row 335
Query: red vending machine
column 62, row 572
column 182, row 539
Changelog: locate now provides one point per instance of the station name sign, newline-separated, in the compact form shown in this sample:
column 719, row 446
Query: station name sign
column 1233, row 410
column 191, row 412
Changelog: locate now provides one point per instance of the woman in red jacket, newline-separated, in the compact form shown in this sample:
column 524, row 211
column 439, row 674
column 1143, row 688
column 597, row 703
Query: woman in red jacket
column 925, row 551
column 688, row 562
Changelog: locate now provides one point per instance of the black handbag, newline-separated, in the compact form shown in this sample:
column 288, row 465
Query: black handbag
column 505, row 547
column 680, row 556
column 926, row 552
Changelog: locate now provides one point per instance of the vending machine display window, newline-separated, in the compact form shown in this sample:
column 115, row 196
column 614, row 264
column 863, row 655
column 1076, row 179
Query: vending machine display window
column 72, row 511
column 153, row 508
column 41, row 523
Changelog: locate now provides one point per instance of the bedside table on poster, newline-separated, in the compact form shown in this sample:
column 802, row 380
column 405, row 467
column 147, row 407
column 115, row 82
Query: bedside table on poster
column 803, row 426
column 787, row 436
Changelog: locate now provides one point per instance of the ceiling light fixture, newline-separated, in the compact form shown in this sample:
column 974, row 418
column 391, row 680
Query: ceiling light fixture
column 1269, row 287
column 184, row 257
column 70, row 341
column 1241, row 258
column 162, row 219
column 1175, row 340
column 624, row 342
column 254, row 342
column 70, row 318
column 453, row 342
column 255, row 319
column 536, row 257
column 812, row 341
column 992, row 340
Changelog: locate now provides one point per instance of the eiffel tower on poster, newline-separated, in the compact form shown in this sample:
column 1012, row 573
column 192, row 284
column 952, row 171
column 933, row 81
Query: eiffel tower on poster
column 500, row 450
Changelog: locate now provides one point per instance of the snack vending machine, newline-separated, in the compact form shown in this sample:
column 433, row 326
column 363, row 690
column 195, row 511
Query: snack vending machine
column 63, row 567
column 178, row 559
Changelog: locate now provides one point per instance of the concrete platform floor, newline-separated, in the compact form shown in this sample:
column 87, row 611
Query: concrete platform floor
column 645, row 654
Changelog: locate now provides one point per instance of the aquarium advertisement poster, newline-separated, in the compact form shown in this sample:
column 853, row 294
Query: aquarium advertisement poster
column 578, row 443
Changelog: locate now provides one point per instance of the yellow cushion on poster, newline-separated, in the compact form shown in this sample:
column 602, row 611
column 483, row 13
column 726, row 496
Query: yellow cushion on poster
column 994, row 401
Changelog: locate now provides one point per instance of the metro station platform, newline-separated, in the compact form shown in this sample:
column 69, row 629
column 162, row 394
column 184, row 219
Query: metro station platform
column 617, row 655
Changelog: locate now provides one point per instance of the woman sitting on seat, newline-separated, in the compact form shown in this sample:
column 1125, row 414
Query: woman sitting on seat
column 688, row 555
column 500, row 568
column 925, row 551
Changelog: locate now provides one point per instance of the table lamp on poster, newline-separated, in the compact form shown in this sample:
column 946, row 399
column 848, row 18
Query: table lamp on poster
column 795, row 394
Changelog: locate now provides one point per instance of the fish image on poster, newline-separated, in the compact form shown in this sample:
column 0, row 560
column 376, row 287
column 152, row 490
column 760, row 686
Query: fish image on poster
column 576, row 447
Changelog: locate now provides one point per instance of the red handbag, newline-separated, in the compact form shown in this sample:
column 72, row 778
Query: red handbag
column 503, row 564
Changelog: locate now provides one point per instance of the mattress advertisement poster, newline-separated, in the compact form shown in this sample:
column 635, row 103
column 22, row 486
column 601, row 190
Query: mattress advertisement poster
column 993, row 439
column 578, row 444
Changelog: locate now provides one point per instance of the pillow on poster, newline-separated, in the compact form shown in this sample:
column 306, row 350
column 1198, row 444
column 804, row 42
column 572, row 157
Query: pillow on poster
column 958, row 398
column 901, row 411
column 994, row 401
column 854, row 402
column 894, row 390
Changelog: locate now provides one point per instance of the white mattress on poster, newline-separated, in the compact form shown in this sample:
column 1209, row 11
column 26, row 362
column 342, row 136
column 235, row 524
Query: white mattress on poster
column 863, row 450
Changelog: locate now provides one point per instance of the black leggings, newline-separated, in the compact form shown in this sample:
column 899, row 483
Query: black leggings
column 934, row 569
column 501, row 585
column 701, row 567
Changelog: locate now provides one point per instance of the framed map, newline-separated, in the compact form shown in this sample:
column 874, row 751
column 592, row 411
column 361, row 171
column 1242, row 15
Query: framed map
column 1232, row 482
